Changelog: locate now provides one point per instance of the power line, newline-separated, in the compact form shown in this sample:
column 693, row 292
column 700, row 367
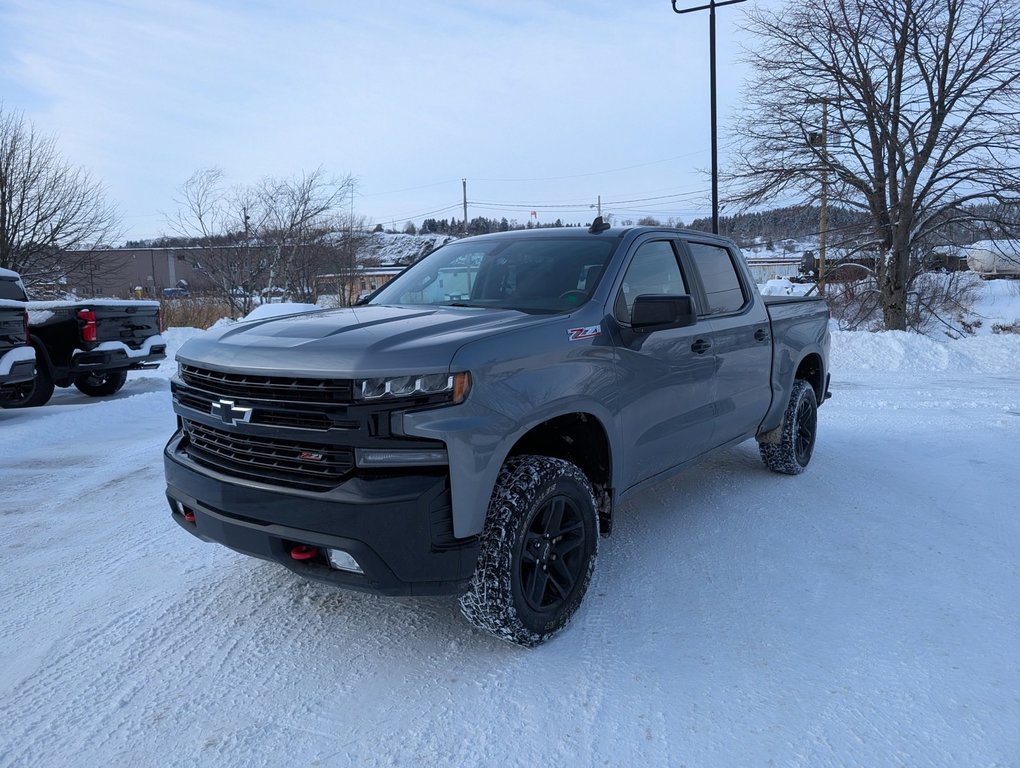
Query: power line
column 408, row 216
column 598, row 173
column 408, row 189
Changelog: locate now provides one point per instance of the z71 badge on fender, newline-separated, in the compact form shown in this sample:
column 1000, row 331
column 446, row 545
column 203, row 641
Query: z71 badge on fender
column 580, row 334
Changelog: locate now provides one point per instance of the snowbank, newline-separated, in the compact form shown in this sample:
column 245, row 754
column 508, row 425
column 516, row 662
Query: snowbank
column 854, row 351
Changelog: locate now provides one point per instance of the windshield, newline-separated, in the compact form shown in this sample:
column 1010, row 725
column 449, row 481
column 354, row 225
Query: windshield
column 529, row 274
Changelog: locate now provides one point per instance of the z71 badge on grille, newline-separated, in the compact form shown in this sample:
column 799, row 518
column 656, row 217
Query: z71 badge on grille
column 230, row 413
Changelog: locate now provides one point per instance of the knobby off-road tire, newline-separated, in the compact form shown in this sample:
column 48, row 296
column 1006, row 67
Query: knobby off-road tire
column 101, row 383
column 537, row 552
column 32, row 393
column 800, row 423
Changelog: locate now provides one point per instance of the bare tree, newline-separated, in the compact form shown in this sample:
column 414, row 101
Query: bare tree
column 298, row 222
column 218, row 222
column 920, row 98
column 346, row 256
column 262, row 238
column 48, row 207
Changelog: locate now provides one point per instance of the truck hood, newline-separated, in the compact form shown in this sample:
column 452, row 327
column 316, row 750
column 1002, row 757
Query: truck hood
column 355, row 342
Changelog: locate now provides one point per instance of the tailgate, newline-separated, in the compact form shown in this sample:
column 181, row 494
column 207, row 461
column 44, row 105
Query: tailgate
column 130, row 322
column 12, row 325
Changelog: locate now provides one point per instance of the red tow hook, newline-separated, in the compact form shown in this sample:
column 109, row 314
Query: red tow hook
column 304, row 552
column 189, row 516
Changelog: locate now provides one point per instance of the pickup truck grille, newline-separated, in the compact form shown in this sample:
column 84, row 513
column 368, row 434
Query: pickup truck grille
column 308, row 466
column 295, row 418
column 270, row 388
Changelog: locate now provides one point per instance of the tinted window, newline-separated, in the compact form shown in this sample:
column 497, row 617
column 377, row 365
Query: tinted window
column 719, row 275
column 653, row 270
column 9, row 289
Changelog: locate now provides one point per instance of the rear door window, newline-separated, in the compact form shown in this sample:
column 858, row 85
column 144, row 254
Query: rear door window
column 723, row 288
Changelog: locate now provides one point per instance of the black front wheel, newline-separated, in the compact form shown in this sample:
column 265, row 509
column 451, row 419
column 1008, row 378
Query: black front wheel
column 32, row 393
column 537, row 551
column 101, row 383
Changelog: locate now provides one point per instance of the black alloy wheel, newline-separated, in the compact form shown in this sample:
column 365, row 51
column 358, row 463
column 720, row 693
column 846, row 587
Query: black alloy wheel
column 551, row 560
column 807, row 424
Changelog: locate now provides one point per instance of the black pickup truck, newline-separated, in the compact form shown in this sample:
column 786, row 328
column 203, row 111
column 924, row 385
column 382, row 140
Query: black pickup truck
column 91, row 344
column 17, row 356
column 472, row 427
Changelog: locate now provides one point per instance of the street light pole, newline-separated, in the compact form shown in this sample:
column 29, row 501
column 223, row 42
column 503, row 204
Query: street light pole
column 712, row 5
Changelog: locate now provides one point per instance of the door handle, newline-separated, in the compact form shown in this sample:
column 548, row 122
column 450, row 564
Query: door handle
column 701, row 346
column 761, row 334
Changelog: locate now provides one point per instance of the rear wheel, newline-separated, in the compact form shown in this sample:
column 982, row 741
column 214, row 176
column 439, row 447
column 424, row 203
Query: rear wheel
column 29, row 394
column 100, row 383
column 537, row 551
column 797, row 441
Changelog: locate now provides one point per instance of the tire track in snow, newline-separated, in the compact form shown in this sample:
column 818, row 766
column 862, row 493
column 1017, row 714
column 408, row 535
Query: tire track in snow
column 184, row 664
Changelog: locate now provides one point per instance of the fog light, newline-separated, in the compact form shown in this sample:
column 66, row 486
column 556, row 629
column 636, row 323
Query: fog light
column 343, row 561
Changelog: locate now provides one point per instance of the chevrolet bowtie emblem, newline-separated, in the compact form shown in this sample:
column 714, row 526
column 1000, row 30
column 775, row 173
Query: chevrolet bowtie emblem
column 230, row 413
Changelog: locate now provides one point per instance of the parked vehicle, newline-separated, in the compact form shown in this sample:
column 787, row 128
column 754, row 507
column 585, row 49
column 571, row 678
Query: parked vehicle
column 418, row 445
column 17, row 356
column 91, row 344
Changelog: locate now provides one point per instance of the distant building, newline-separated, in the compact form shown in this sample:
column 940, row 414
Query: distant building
column 126, row 272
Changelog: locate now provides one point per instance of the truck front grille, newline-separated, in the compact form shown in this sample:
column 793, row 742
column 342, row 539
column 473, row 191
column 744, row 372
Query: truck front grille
column 279, row 416
column 270, row 388
column 308, row 466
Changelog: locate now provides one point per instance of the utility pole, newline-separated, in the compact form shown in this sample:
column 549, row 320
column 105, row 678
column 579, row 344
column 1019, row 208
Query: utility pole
column 246, row 269
column 823, row 213
column 712, row 5
column 464, row 183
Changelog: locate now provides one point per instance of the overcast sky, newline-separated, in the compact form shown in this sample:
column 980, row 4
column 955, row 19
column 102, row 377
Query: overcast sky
column 540, row 105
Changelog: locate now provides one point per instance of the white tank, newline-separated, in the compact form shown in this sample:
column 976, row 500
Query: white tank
column 994, row 257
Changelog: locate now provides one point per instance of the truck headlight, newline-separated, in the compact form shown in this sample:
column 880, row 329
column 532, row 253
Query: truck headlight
column 455, row 385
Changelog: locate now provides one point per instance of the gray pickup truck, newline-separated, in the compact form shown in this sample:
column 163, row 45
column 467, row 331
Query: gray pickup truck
column 472, row 427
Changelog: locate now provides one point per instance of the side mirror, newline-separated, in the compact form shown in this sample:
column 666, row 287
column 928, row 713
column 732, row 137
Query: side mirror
column 657, row 313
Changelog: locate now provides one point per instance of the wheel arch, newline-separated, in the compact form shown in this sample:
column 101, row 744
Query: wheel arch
column 583, row 440
column 812, row 370
column 42, row 354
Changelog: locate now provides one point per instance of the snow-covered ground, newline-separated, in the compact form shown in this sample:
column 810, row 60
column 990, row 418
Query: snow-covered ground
column 865, row 613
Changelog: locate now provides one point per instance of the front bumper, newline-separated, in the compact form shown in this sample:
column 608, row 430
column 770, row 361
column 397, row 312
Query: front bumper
column 398, row 527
